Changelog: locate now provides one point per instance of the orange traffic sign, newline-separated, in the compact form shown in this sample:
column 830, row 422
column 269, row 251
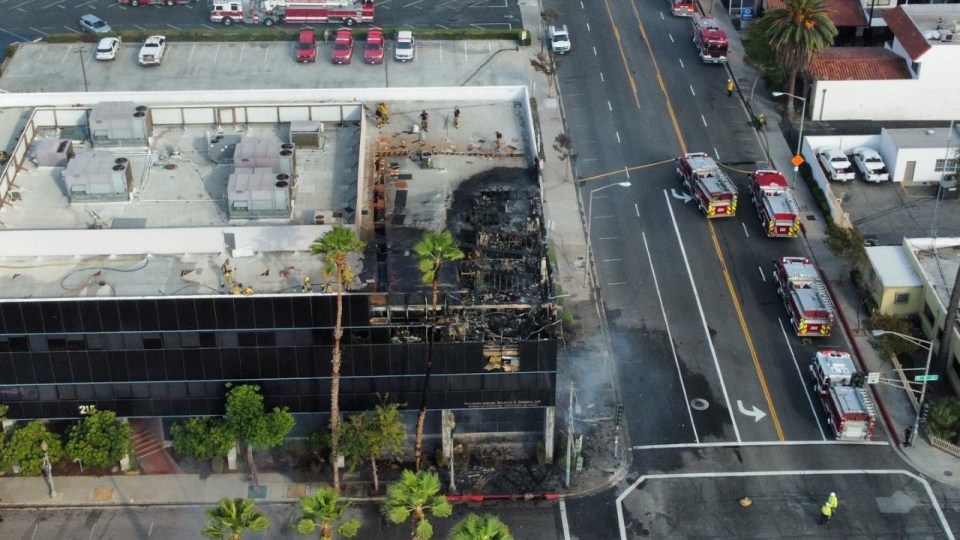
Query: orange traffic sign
column 797, row 160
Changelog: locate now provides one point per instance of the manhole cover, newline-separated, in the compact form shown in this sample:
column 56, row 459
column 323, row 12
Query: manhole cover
column 699, row 404
column 948, row 473
column 170, row 166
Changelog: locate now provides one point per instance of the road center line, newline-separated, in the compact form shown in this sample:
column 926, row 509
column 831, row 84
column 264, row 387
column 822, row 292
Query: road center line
column 806, row 392
column 745, row 444
column 563, row 520
column 703, row 317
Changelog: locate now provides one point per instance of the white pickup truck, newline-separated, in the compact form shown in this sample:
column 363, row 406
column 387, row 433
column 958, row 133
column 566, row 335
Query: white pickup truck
column 151, row 54
column 559, row 39
column 835, row 164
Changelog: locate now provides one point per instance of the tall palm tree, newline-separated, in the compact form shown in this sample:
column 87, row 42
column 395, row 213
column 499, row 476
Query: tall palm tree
column 416, row 494
column 797, row 34
column 322, row 510
column 233, row 517
column 333, row 248
column 432, row 251
column 487, row 527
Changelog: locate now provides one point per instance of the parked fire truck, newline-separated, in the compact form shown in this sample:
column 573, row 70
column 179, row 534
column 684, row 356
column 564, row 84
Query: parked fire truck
column 804, row 295
column 710, row 40
column 849, row 409
column 775, row 203
column 270, row 12
column 682, row 8
column 712, row 188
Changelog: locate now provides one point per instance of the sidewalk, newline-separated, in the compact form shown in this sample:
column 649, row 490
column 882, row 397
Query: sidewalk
column 894, row 404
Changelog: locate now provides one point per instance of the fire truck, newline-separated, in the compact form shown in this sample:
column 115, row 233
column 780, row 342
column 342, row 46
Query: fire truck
column 805, row 296
column 775, row 204
column 850, row 411
column 712, row 188
column 270, row 12
column 682, row 8
column 710, row 40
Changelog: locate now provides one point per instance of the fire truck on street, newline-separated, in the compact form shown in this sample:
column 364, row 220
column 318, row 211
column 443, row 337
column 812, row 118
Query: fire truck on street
column 682, row 8
column 850, row 411
column 270, row 12
column 710, row 40
column 715, row 193
column 775, row 204
column 805, row 296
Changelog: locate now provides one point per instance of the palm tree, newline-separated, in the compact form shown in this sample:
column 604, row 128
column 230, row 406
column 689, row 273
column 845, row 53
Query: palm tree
column 432, row 251
column 323, row 510
column 797, row 34
column 474, row 527
column 233, row 517
column 332, row 248
column 416, row 494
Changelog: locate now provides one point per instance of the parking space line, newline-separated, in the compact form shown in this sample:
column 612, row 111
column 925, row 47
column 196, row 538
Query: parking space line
column 71, row 29
column 19, row 36
column 607, row 238
column 612, row 260
column 617, row 283
column 806, row 392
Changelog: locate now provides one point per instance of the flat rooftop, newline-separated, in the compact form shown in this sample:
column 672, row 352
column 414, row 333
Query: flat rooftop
column 939, row 266
column 923, row 137
column 935, row 17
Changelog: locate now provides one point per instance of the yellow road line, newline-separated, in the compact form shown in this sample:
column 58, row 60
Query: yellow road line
column 713, row 235
column 586, row 179
column 626, row 67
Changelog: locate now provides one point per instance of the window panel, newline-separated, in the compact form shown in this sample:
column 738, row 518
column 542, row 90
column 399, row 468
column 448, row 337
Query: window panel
column 226, row 318
column 52, row 322
column 147, row 310
column 11, row 318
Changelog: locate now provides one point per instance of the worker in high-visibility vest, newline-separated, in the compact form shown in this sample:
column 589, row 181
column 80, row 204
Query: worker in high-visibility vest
column 833, row 502
column 826, row 512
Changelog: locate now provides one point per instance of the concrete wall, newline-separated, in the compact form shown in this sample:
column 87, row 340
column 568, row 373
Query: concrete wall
column 925, row 160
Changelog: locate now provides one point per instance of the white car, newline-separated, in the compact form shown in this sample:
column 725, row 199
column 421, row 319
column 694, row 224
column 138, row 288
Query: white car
column 870, row 164
column 559, row 39
column 94, row 25
column 107, row 48
column 151, row 54
column 404, row 49
column 835, row 164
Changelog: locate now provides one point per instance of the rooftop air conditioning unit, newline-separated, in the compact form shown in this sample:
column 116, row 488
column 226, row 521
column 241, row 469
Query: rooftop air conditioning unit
column 946, row 37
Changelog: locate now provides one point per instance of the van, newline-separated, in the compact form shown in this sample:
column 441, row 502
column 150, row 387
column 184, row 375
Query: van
column 559, row 39
column 404, row 49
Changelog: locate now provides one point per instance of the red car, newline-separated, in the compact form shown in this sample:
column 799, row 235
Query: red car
column 342, row 47
column 373, row 48
column 307, row 47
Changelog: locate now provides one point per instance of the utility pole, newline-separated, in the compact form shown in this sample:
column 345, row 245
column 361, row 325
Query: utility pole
column 569, row 437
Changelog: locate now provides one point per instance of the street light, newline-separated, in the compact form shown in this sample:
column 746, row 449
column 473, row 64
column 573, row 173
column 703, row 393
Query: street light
column 926, row 371
column 803, row 114
column 48, row 469
column 590, row 219
column 83, row 68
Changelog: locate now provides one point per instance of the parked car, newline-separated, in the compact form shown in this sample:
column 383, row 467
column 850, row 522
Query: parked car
column 342, row 47
column 559, row 39
column 835, row 164
column 870, row 164
column 151, row 54
column 307, row 46
column 107, row 48
column 404, row 49
column 373, row 47
column 93, row 24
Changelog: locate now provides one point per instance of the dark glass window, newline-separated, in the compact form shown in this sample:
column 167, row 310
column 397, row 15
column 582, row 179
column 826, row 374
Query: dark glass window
column 76, row 343
column 174, row 366
column 152, row 340
column 167, row 313
column 189, row 339
column 228, row 339
column 132, row 342
column 244, row 310
column 31, row 317
column 58, row 343
column 247, row 339
column 192, row 366
column 11, row 318
column 66, row 391
column 114, row 342
column 19, row 344
column 90, row 316
column 129, row 318
column 186, row 313
column 302, row 314
column 208, row 339
column 148, row 315
column 171, row 340
column 206, row 313
column 263, row 312
column 43, row 368
column 23, row 365
column 266, row 339
column 210, row 360
column 94, row 342
column 50, row 311
column 282, row 312
column 226, row 319
column 118, row 367
column 108, row 315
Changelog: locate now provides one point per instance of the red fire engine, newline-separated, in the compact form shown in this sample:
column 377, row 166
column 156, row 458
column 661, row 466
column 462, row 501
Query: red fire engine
column 775, row 203
column 804, row 295
column 712, row 188
column 849, row 409
column 710, row 40
column 270, row 12
column 682, row 8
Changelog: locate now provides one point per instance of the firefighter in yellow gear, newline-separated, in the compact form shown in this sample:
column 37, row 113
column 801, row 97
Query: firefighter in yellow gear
column 826, row 512
column 833, row 502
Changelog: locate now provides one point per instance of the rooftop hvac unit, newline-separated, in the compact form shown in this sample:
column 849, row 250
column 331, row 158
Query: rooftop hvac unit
column 946, row 37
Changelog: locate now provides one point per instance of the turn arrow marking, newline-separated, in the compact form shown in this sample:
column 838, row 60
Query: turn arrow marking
column 756, row 413
column 682, row 196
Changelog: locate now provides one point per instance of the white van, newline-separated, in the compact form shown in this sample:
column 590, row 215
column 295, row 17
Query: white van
column 404, row 49
column 559, row 39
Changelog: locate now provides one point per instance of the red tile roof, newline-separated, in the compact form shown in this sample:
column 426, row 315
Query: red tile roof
column 841, row 12
column 858, row 64
column 906, row 32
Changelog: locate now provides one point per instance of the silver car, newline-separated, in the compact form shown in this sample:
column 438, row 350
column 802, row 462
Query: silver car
column 94, row 25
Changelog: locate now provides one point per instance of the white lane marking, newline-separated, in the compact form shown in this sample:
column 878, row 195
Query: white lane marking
column 745, row 229
column 703, row 317
column 607, row 238
column 581, row 6
column 609, row 106
column 595, row 51
column 692, row 91
column 748, row 474
column 150, row 532
column 588, row 27
column 716, row 153
column 601, row 77
column 704, row 120
column 806, row 390
column 618, row 138
column 603, row 217
column 681, row 63
column 756, row 413
column 617, row 283
column 673, row 349
column 563, row 518
column 612, row 260
column 671, row 38
column 626, row 171
column 637, row 208
column 763, row 277
column 687, row 446
column 35, row 527
column 661, row 15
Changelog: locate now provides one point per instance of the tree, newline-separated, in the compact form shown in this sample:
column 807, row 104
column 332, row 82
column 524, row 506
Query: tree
column 333, row 248
column 487, row 527
column 252, row 425
column 22, row 447
column 548, row 65
column 890, row 345
column 944, row 419
column 233, row 517
column 847, row 243
column 797, row 34
column 100, row 439
column 373, row 435
column 203, row 438
column 432, row 251
column 323, row 510
column 758, row 51
column 417, row 495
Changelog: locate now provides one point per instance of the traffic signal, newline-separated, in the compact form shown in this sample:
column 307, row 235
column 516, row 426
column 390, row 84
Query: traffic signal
column 924, row 412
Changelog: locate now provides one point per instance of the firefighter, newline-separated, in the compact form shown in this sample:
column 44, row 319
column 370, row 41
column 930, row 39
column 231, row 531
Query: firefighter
column 729, row 87
column 383, row 113
column 825, row 513
column 379, row 116
column 761, row 121
column 307, row 286
column 499, row 141
column 456, row 116
column 908, row 436
column 833, row 502
column 423, row 120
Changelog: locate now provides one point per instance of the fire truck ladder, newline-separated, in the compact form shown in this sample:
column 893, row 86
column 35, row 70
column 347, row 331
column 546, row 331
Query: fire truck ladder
column 824, row 296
